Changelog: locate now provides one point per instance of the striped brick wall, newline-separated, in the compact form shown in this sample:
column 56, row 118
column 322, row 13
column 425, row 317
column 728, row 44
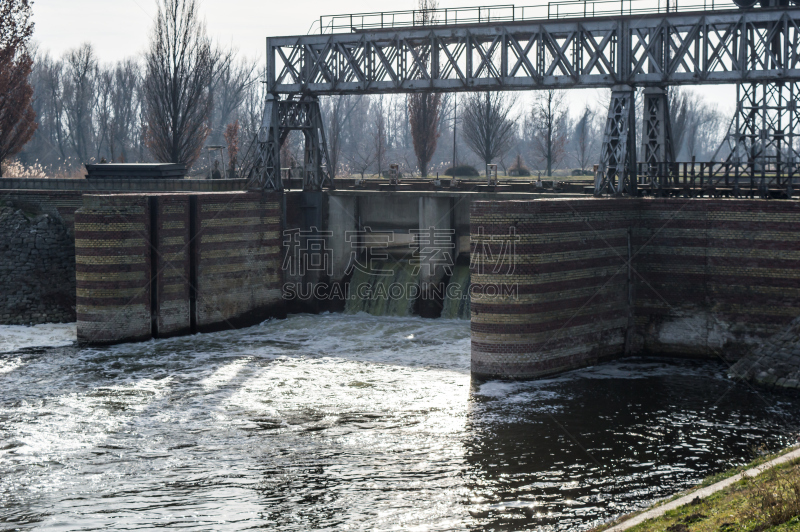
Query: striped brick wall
column 216, row 264
column 112, row 258
column 707, row 278
column 173, row 266
column 239, row 257
column 715, row 275
column 570, row 275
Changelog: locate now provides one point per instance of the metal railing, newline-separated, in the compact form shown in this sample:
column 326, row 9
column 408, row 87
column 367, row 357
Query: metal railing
column 738, row 178
column 558, row 9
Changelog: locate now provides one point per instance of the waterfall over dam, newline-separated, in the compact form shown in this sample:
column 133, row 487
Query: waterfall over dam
column 391, row 289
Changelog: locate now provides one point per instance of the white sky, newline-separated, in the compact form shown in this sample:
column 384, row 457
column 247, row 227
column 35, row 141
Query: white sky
column 120, row 28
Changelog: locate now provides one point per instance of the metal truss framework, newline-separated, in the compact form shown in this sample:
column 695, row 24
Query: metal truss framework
column 653, row 50
column 764, row 135
column 296, row 113
column 658, row 150
column 617, row 172
column 758, row 47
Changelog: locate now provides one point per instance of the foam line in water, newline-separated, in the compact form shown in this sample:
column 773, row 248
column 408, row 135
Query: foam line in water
column 16, row 337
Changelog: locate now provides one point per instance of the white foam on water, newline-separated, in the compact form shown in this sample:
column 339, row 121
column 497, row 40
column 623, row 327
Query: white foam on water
column 7, row 366
column 224, row 375
column 16, row 337
column 77, row 421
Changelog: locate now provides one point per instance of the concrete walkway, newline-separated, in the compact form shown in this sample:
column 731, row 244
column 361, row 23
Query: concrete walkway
column 703, row 492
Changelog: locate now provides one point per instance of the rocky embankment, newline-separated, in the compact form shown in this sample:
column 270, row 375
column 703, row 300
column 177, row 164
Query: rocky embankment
column 775, row 362
column 37, row 268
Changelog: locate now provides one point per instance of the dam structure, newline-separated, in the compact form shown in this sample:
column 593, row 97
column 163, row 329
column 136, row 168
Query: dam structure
column 654, row 256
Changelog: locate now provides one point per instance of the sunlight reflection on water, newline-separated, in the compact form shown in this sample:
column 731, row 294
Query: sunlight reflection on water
column 354, row 422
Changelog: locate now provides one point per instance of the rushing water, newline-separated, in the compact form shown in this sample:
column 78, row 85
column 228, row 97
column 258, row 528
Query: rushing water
column 354, row 422
column 456, row 300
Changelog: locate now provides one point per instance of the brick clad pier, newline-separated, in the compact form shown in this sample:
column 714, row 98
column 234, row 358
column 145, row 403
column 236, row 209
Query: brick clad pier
column 598, row 278
column 112, row 269
column 158, row 265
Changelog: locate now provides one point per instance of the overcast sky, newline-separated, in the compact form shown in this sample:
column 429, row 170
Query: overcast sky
column 120, row 28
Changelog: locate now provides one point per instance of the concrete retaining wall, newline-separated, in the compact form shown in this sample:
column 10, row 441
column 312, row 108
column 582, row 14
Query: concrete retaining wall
column 705, row 278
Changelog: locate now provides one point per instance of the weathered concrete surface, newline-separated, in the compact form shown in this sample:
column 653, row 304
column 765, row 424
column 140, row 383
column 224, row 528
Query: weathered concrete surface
column 436, row 239
column 342, row 220
column 775, row 361
column 37, row 268
column 397, row 212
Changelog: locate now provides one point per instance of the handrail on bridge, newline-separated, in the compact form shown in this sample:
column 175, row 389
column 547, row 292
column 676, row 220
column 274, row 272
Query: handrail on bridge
column 557, row 9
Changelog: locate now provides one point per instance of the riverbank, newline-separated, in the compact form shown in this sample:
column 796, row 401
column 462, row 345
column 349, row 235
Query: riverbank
column 761, row 496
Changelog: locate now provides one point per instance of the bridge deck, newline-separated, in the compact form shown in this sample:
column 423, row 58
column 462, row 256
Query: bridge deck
column 641, row 50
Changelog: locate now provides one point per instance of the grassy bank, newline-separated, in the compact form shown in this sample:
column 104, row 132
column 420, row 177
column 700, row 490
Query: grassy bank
column 768, row 502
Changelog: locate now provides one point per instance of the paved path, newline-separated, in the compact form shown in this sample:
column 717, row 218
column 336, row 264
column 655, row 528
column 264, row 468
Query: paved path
column 703, row 492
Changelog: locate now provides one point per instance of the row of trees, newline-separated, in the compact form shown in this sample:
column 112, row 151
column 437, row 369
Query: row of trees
column 186, row 94
column 426, row 133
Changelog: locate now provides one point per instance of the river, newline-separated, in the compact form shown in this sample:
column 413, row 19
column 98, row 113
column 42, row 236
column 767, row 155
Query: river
column 353, row 422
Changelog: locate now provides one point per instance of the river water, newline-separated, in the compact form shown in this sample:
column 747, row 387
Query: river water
column 354, row 422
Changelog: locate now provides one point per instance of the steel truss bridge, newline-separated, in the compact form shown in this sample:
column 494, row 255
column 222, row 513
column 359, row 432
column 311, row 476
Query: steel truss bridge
column 757, row 49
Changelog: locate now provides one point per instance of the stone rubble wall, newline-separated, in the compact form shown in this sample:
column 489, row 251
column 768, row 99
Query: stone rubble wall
column 37, row 268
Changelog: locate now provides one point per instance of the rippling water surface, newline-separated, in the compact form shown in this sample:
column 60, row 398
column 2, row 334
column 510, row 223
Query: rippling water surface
column 342, row 422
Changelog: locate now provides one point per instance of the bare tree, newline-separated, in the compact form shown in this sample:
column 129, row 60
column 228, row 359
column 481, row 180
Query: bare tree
column 585, row 138
column 180, row 68
column 487, row 128
column 547, row 127
column 126, row 107
column 379, row 134
column 336, row 110
column 230, row 83
column 358, row 136
column 679, row 115
column 424, row 108
column 232, row 141
column 44, row 147
column 696, row 125
column 17, row 118
column 80, row 93
column 426, row 11
column 104, row 112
